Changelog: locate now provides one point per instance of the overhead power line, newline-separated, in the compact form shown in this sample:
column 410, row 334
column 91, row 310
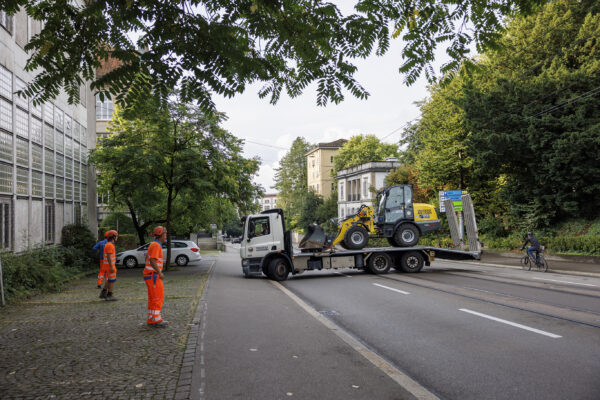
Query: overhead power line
column 570, row 101
column 266, row 145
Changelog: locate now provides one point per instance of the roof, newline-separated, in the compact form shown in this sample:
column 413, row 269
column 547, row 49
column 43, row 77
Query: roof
column 336, row 144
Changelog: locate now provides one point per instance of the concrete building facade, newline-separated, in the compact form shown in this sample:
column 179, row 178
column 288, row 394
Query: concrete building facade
column 319, row 164
column 268, row 202
column 354, row 185
column 45, row 180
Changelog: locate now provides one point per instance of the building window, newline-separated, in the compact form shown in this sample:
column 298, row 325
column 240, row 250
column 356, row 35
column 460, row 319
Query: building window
column 21, row 123
column 22, row 101
column 48, row 136
column 22, row 181
column 60, row 188
column 342, row 191
column 5, row 224
column 5, row 82
column 6, row 178
column 332, row 159
column 332, row 186
column 23, row 152
column 84, row 195
column 6, row 21
column 36, row 184
column 6, row 121
column 104, row 108
column 36, row 156
column 49, row 186
column 36, row 130
column 49, row 113
column 6, row 147
column 77, row 213
column 49, row 222
column 365, row 187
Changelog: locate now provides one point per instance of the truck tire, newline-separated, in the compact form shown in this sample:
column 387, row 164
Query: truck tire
column 356, row 237
column 406, row 235
column 412, row 261
column 379, row 263
column 279, row 269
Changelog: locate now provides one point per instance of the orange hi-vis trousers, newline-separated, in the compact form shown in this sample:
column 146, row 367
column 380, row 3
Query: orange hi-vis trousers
column 104, row 270
column 156, row 296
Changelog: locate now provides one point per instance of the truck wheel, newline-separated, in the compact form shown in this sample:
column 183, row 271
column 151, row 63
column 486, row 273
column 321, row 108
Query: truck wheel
column 412, row 261
column 379, row 263
column 406, row 235
column 356, row 237
column 278, row 269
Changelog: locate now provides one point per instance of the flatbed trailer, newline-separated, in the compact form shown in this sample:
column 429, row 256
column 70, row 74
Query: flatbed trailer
column 271, row 253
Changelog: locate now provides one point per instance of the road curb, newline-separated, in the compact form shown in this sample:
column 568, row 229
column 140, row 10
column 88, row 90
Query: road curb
column 550, row 270
column 184, row 383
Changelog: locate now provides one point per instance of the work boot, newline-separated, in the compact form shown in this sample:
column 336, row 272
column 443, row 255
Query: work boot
column 109, row 297
column 161, row 324
column 99, row 287
column 103, row 294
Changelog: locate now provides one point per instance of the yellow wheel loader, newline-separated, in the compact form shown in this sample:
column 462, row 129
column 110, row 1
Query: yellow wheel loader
column 398, row 219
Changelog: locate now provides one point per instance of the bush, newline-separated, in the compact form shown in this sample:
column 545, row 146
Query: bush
column 492, row 226
column 574, row 244
column 42, row 270
column 78, row 236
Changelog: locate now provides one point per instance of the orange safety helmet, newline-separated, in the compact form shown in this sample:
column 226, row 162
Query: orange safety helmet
column 111, row 233
column 159, row 230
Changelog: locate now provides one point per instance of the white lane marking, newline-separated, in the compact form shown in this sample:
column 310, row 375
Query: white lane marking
column 572, row 283
column 398, row 376
column 527, row 328
column 339, row 273
column 392, row 289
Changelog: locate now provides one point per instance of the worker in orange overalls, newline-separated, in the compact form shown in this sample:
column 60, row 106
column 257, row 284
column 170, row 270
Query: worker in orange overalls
column 153, row 277
column 110, row 259
column 99, row 247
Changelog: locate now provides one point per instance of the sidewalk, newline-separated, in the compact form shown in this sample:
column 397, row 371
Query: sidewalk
column 556, row 263
column 72, row 345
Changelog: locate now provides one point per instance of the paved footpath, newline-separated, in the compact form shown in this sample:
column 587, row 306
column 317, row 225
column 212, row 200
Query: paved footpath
column 73, row 345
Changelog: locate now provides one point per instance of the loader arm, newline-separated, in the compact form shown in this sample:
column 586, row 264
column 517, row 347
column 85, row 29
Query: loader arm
column 363, row 217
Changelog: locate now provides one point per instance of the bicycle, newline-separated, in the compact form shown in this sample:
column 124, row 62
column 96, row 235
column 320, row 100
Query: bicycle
column 527, row 261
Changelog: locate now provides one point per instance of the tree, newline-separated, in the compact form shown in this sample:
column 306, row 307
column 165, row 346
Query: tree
column 204, row 47
column 309, row 209
column 362, row 149
column 176, row 153
column 118, row 221
column 291, row 181
column 535, row 114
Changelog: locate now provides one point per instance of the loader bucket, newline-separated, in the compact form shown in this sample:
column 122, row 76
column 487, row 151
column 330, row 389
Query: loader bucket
column 314, row 239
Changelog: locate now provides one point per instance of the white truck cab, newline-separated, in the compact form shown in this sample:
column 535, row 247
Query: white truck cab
column 264, row 235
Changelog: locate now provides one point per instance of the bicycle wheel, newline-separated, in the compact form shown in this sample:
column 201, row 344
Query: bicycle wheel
column 525, row 263
column 543, row 265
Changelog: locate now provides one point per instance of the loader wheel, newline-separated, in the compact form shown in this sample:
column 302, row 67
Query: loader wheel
column 412, row 261
column 343, row 245
column 278, row 269
column 406, row 235
column 356, row 237
column 379, row 263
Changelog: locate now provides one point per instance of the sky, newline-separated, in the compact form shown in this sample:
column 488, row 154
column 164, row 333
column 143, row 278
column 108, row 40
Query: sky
column 269, row 130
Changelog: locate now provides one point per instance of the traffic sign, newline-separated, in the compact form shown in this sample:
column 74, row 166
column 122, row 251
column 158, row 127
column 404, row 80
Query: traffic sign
column 454, row 195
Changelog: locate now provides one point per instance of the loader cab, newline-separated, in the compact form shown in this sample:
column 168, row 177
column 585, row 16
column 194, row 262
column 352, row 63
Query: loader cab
column 395, row 204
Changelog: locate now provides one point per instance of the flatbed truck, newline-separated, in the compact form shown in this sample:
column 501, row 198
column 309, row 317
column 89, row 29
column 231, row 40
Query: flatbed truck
column 266, row 248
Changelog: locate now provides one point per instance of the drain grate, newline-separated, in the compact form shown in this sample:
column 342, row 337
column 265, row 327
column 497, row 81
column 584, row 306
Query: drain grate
column 329, row 313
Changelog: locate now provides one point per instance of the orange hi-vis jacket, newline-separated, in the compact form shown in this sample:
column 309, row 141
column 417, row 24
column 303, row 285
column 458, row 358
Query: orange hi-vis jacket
column 156, row 289
column 154, row 251
column 110, row 258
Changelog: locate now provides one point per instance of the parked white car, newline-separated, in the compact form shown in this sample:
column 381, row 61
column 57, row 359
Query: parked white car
column 182, row 253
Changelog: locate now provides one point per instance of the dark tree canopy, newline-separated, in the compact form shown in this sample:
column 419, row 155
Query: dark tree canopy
column 221, row 46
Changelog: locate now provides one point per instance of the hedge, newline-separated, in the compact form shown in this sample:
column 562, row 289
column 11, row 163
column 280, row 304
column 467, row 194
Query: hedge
column 48, row 268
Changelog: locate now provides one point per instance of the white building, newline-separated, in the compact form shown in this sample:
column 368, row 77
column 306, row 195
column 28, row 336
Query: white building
column 354, row 185
column 268, row 202
column 45, row 181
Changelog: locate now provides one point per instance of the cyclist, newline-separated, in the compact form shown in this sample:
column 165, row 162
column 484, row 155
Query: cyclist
column 535, row 246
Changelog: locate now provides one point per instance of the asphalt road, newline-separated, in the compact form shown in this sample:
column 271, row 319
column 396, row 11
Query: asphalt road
column 459, row 330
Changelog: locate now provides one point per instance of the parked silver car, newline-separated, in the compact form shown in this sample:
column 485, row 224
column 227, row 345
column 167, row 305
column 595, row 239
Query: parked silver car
column 182, row 253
